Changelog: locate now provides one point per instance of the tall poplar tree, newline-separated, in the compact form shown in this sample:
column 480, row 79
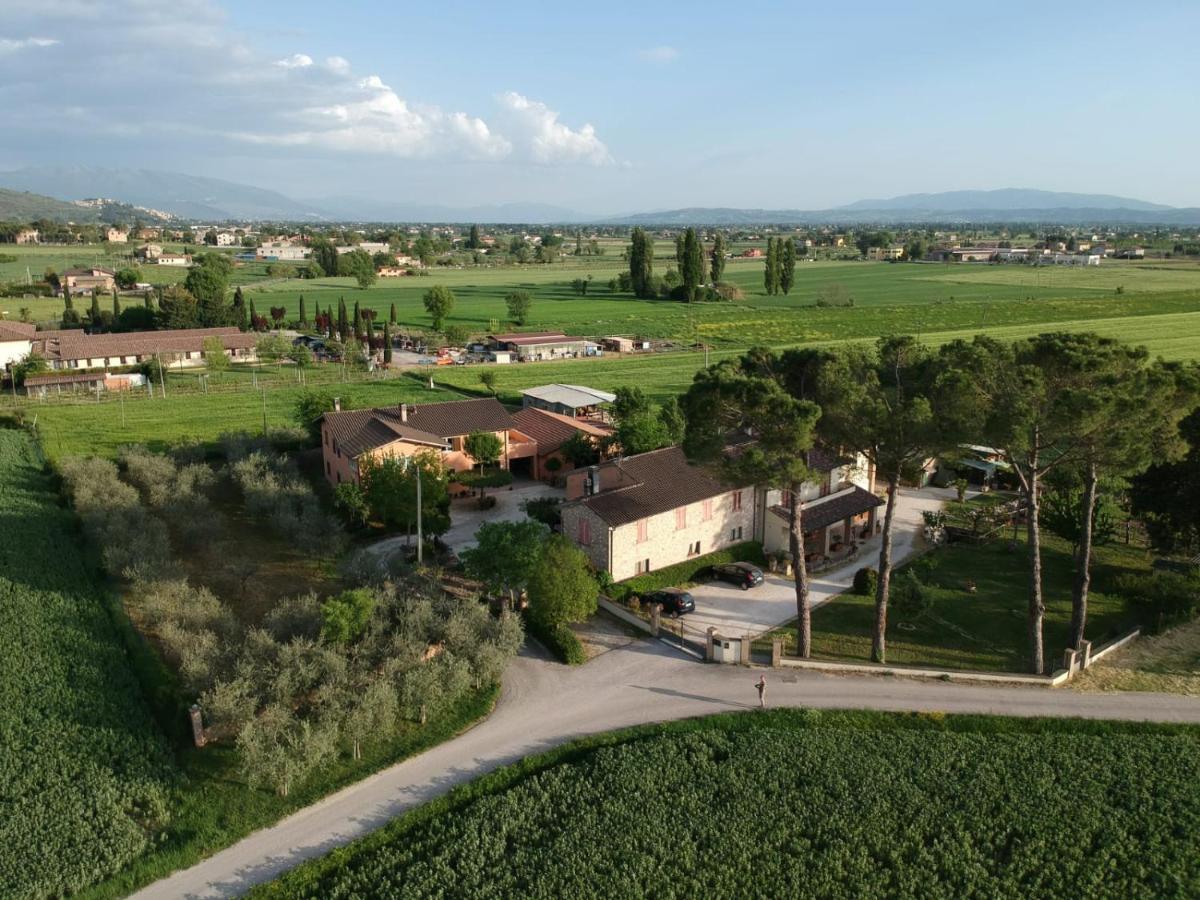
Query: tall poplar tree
column 641, row 262
column 303, row 312
column 717, row 269
column 787, row 265
column 392, row 314
column 692, row 266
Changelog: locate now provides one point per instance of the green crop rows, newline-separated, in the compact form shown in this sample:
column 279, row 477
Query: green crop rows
column 84, row 772
column 807, row 804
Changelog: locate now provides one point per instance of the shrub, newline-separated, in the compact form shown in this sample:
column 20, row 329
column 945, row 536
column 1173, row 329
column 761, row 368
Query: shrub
column 1161, row 599
column 486, row 502
column 908, row 595
column 865, row 581
column 559, row 640
column 691, row 570
column 547, row 510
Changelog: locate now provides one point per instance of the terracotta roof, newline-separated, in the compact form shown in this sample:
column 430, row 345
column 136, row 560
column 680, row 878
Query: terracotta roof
column 663, row 480
column 552, row 430
column 16, row 331
column 535, row 340
column 359, row 430
column 75, row 344
column 830, row 510
column 93, row 270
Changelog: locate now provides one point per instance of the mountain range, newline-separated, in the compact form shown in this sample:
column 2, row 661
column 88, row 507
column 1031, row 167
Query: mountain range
column 33, row 192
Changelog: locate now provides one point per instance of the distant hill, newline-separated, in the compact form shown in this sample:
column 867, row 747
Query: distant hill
column 1005, row 205
column 186, row 196
column 1004, row 199
column 22, row 206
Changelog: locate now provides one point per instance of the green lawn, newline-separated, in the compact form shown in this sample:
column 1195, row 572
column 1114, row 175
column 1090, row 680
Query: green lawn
column 804, row 803
column 985, row 630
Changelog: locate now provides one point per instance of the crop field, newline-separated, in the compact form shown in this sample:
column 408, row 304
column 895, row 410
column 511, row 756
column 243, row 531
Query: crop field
column 912, row 297
column 808, row 804
column 85, row 774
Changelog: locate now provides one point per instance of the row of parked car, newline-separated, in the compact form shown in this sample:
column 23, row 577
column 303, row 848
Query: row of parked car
column 676, row 601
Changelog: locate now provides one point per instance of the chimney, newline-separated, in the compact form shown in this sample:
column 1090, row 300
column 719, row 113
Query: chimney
column 403, row 412
column 593, row 480
column 337, row 404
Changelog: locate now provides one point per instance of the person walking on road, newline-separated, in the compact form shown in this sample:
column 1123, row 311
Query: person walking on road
column 761, row 684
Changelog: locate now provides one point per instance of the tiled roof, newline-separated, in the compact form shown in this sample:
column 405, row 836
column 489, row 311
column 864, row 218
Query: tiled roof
column 74, row 344
column 663, row 480
column 80, row 378
column 359, row 430
column 92, row 270
column 830, row 510
column 552, row 430
column 536, row 340
column 504, row 338
column 16, row 331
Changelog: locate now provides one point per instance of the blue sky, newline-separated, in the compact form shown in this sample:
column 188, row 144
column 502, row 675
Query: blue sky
column 612, row 107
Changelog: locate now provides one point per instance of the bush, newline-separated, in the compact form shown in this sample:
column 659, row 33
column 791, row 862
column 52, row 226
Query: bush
column 865, row 581
column 1161, row 599
column 547, row 510
column 486, row 502
column 908, row 595
column 559, row 640
column 671, row 576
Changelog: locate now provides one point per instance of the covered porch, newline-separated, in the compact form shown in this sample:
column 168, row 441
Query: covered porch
column 835, row 526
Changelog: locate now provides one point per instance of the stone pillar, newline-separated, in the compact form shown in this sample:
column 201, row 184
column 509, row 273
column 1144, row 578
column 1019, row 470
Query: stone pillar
column 708, row 643
column 1071, row 662
column 776, row 652
column 1085, row 654
column 197, row 725
column 655, row 618
column 747, row 643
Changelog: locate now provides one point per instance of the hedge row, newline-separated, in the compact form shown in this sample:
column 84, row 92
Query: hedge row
column 691, row 570
column 559, row 640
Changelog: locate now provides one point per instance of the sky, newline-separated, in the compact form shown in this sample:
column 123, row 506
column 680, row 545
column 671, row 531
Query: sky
column 615, row 107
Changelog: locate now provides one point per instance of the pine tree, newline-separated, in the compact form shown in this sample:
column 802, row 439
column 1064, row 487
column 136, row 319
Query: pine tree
column 116, row 306
column 392, row 314
column 787, row 265
column 718, row 257
column 303, row 313
column 387, row 343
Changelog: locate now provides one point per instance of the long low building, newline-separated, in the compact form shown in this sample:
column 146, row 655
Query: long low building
column 73, row 349
column 537, row 345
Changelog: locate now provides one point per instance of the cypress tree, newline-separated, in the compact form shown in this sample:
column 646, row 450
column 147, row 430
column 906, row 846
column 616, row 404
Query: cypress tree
column 303, row 314
column 718, row 257
column 771, row 270
column 358, row 329
column 343, row 320
column 253, row 315
column 95, row 311
column 387, row 343
column 116, row 306
column 68, row 303
column 787, row 265
column 239, row 309
column 392, row 315
column 680, row 248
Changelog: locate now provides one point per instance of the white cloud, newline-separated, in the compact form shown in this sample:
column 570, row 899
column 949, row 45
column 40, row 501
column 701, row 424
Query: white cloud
column 295, row 61
column 12, row 45
column 660, row 54
column 225, row 90
column 547, row 139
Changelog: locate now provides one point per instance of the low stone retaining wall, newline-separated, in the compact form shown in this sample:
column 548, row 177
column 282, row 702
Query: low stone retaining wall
column 615, row 609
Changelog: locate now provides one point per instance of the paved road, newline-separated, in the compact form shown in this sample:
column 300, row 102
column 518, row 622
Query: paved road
column 544, row 704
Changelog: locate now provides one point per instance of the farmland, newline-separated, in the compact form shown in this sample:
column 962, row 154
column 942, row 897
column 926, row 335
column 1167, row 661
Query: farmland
column 805, row 803
column 85, row 774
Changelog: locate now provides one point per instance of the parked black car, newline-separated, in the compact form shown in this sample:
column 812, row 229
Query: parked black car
column 675, row 601
column 742, row 574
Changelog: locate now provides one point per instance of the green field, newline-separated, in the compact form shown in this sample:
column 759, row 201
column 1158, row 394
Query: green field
column 805, row 804
column 909, row 297
column 85, row 774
